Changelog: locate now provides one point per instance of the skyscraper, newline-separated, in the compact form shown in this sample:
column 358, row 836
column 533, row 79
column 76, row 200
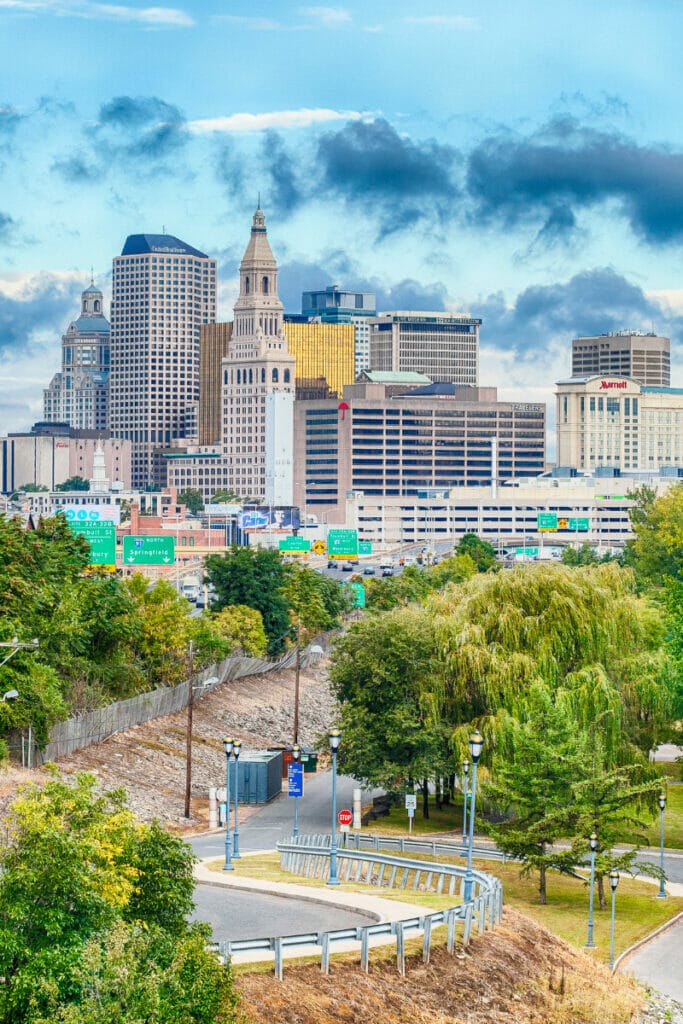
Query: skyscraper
column 77, row 395
column 162, row 291
column 258, row 365
column 645, row 357
column 444, row 346
column 336, row 305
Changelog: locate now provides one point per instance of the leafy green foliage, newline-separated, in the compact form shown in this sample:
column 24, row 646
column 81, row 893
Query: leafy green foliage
column 480, row 551
column 74, row 483
column 92, row 917
column 415, row 583
column 192, row 499
column 253, row 577
column 242, row 629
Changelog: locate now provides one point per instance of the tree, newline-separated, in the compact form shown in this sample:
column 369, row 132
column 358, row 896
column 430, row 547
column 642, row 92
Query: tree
column 657, row 549
column 74, row 483
column 192, row 499
column 533, row 773
column 32, row 488
column 480, row 551
column 163, row 636
column 381, row 674
column 315, row 600
column 242, row 629
column 254, row 577
column 92, row 917
column 226, row 498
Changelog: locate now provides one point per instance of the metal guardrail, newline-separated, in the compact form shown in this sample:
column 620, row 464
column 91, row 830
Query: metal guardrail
column 309, row 855
column 450, row 848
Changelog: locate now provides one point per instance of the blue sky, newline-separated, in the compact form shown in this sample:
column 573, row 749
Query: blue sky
column 522, row 161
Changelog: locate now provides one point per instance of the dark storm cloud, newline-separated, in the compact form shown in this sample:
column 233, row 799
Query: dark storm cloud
column 336, row 268
column 44, row 304
column 9, row 119
column 565, row 167
column 142, row 128
column 593, row 302
column 286, row 194
column 229, row 168
column 401, row 181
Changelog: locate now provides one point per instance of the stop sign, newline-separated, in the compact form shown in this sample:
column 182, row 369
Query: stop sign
column 345, row 817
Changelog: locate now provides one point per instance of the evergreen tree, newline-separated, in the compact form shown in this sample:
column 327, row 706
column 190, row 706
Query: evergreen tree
column 254, row 577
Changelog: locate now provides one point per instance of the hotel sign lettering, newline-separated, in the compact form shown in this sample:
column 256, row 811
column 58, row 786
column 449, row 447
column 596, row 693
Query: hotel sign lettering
column 609, row 385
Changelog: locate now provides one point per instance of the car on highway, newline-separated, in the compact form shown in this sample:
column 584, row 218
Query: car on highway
column 386, row 569
column 348, row 567
column 368, row 570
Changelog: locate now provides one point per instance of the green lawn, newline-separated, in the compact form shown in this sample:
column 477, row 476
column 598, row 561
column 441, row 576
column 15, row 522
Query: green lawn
column 638, row 911
column 673, row 820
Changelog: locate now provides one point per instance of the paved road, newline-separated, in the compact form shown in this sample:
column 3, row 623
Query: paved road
column 238, row 915
column 274, row 821
column 660, row 963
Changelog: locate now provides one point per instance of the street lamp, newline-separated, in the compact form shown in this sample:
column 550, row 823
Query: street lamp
column 296, row 757
column 10, row 695
column 334, row 737
column 614, row 882
column 188, row 737
column 465, row 781
column 661, row 800
column 593, row 842
column 236, row 748
column 476, row 747
column 228, row 745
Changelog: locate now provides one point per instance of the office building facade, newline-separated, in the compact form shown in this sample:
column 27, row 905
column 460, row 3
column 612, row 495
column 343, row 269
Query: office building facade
column 163, row 290
column 615, row 421
column 644, row 357
column 444, row 346
column 435, row 436
column 336, row 305
column 53, row 452
column 214, row 340
column 78, row 394
column 324, row 354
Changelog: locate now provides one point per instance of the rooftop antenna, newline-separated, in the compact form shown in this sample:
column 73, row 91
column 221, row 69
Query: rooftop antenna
column 258, row 203
column 163, row 229
column 92, row 275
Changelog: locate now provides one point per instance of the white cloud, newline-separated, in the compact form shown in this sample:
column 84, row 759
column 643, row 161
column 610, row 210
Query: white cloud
column 279, row 119
column 169, row 16
column 258, row 24
column 443, row 21
column 671, row 297
column 327, row 15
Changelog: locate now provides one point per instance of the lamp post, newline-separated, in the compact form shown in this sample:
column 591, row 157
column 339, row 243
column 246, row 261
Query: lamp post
column 465, row 781
column 188, row 738
column 614, row 882
column 236, row 748
column 296, row 679
column 296, row 757
column 228, row 745
column 476, row 747
column 661, row 800
column 334, row 737
column 593, row 841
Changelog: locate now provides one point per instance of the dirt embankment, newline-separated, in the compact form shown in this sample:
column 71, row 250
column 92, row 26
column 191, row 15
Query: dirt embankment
column 149, row 760
column 518, row 974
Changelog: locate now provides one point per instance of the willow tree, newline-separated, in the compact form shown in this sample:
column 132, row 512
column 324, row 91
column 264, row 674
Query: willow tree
column 584, row 630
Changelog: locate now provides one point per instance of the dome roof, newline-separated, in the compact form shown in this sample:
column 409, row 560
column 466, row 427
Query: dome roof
column 91, row 324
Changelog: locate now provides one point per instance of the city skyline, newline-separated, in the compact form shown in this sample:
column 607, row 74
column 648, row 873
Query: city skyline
column 507, row 163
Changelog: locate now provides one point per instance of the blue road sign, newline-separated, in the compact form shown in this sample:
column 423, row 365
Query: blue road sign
column 295, row 779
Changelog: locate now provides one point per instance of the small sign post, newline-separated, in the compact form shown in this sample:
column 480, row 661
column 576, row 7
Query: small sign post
column 411, row 804
column 345, row 819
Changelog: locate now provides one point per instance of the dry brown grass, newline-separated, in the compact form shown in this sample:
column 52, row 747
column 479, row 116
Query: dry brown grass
column 518, row 974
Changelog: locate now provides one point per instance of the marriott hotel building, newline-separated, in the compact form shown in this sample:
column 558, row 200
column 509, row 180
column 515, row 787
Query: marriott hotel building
column 615, row 421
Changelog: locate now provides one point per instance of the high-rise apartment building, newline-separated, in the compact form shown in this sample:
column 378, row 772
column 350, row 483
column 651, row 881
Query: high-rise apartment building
column 163, row 290
column 324, row 354
column 258, row 365
column 214, row 340
column 645, row 357
column 77, row 395
column 444, row 346
column 336, row 305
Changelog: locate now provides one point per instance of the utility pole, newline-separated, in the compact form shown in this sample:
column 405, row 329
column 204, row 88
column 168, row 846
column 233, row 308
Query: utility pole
column 296, row 679
column 188, row 757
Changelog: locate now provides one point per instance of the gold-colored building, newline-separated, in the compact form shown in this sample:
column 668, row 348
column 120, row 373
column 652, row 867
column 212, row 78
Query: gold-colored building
column 324, row 357
column 213, row 346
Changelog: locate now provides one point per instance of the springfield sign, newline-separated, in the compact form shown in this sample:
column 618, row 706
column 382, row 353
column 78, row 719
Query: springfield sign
column 148, row 550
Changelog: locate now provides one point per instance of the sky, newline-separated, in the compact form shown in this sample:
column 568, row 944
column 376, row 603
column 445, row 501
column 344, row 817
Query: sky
column 522, row 162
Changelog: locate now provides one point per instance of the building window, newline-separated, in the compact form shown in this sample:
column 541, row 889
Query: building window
column 265, row 285
column 286, row 377
column 275, row 376
column 246, row 285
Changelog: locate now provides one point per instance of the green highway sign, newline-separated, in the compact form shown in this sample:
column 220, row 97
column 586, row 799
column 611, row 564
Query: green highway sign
column 358, row 594
column 527, row 552
column 294, row 544
column 546, row 521
column 101, row 536
column 148, row 550
column 579, row 525
column 364, row 547
column 342, row 544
